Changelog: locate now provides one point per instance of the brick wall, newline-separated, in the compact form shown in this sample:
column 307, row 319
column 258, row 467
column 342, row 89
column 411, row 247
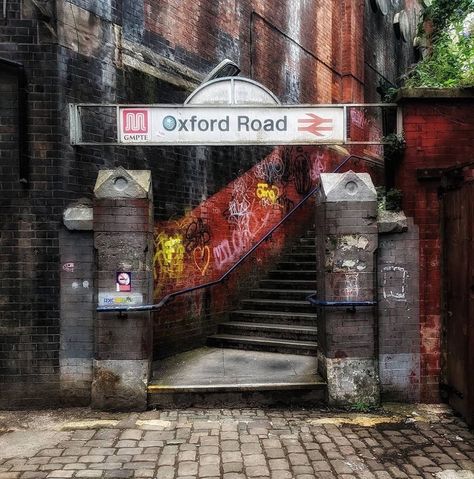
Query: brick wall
column 386, row 61
column 77, row 304
column 398, row 315
column 438, row 132
column 29, row 215
column 128, row 51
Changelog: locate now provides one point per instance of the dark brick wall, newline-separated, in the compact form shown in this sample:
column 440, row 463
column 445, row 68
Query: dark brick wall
column 398, row 315
column 77, row 305
column 29, row 218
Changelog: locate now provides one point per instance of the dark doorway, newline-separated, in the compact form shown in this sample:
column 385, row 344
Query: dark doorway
column 458, row 254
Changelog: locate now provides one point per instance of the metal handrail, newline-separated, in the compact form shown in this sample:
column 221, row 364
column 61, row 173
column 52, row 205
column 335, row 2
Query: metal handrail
column 320, row 302
column 170, row 296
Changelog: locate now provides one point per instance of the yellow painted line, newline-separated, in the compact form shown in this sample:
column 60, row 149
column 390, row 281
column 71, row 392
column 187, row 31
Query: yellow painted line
column 89, row 424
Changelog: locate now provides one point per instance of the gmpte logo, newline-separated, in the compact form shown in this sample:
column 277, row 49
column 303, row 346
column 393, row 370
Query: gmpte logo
column 135, row 124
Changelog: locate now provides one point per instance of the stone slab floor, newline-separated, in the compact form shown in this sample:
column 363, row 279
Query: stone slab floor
column 393, row 442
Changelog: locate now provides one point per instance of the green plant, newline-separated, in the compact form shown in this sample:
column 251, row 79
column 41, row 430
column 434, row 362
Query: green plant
column 393, row 200
column 450, row 62
column 393, row 146
column 362, row 406
column 389, row 200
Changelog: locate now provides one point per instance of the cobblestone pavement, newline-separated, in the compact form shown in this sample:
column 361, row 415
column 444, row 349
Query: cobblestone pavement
column 397, row 442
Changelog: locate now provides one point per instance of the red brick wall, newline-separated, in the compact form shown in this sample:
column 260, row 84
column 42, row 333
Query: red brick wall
column 439, row 134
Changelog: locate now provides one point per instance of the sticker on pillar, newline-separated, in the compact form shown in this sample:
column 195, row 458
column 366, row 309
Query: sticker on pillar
column 124, row 282
column 120, row 299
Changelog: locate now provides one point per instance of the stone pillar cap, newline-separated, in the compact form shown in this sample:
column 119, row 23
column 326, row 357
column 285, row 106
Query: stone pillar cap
column 348, row 186
column 122, row 183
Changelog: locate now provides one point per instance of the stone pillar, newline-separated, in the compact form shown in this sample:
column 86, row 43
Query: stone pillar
column 346, row 240
column 123, row 239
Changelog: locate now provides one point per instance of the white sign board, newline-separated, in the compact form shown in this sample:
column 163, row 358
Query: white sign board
column 239, row 125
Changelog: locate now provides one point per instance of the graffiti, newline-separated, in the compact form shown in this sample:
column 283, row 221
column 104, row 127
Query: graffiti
column 317, row 165
column 169, row 256
column 69, row 267
column 197, row 234
column 358, row 118
column 202, row 258
column 301, row 172
column 239, row 204
column 285, row 203
column 271, row 169
column 394, row 283
column 267, row 194
column 297, row 168
column 229, row 251
column 351, row 287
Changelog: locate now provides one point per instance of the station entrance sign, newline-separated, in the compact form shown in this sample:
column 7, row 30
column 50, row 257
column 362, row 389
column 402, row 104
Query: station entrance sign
column 230, row 125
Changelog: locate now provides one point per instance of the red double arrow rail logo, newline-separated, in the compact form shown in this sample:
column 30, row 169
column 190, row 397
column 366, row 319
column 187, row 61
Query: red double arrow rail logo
column 314, row 123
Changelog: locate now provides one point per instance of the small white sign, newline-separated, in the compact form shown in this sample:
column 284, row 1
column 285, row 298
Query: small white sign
column 120, row 299
column 186, row 125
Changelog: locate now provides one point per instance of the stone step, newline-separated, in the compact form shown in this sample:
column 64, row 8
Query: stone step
column 301, row 306
column 304, row 248
column 274, row 317
column 285, row 274
column 310, row 393
column 266, row 330
column 307, row 241
column 307, row 348
column 300, row 284
column 297, row 265
column 297, row 256
column 293, row 294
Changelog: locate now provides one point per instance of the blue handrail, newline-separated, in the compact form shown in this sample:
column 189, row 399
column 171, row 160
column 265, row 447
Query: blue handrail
column 351, row 305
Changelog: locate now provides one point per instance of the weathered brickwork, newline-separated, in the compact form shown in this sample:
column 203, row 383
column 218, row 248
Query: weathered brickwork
column 137, row 52
column 77, row 272
column 398, row 315
column 438, row 133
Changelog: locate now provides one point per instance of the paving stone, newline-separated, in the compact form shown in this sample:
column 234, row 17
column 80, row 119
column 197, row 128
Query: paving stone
column 134, row 434
column 62, row 474
column 126, row 443
column 276, row 464
column 208, row 470
column 275, row 453
column 76, row 466
column 209, row 459
column 33, row 475
column 187, row 456
column 165, row 472
column 209, row 450
column 50, row 452
column 187, row 468
column 91, row 458
column 233, row 467
column 257, row 471
column 88, row 473
column 247, row 438
column 129, row 451
column 146, row 473
column 118, row 474
column 250, row 448
column 280, row 474
column 298, row 470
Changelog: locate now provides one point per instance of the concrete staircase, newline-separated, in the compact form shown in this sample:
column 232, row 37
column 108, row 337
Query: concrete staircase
column 277, row 317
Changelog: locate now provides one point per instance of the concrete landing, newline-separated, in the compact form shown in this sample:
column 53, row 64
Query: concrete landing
column 209, row 375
